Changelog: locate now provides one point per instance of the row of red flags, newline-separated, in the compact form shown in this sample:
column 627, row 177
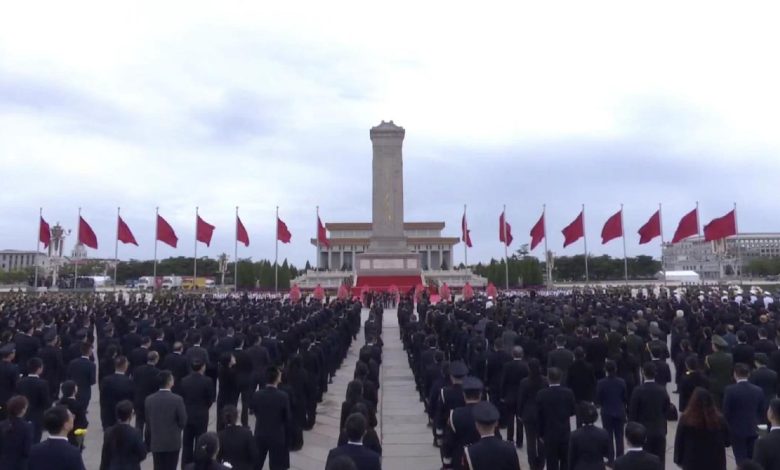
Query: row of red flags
column 166, row 234
column 716, row 229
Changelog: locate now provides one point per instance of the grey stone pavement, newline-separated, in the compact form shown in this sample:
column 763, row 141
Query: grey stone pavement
column 406, row 438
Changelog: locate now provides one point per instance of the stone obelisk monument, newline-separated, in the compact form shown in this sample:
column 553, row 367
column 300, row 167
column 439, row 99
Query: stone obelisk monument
column 388, row 254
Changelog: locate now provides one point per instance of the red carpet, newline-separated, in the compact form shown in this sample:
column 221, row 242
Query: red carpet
column 383, row 283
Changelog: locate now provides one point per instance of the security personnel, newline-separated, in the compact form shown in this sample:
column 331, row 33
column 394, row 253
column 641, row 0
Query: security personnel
column 721, row 366
column 450, row 397
column 53, row 365
column 9, row 374
column 197, row 391
column 113, row 389
column 490, row 452
column 461, row 430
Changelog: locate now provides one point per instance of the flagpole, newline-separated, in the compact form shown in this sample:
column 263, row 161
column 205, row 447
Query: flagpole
column 623, row 233
column 37, row 248
column 195, row 262
column 585, row 239
column 506, row 257
column 156, row 228
column 276, row 254
column 318, row 239
column 465, row 231
column 75, row 253
column 116, row 247
column 547, row 257
column 235, row 257
column 736, row 241
column 661, row 226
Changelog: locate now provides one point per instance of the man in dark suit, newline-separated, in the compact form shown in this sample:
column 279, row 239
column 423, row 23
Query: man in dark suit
column 123, row 446
column 611, row 396
column 354, row 450
column 197, row 391
column 743, row 352
column 560, row 358
column 177, row 364
column 512, row 374
column 649, row 406
column 146, row 380
column 26, row 344
column 53, row 366
column 490, row 452
column 56, row 451
column 9, row 375
column 636, row 458
column 138, row 355
column 743, row 405
column 555, row 406
column 767, row 449
column 692, row 378
column 83, row 371
column 166, row 417
column 271, row 408
column 113, row 389
column 589, row 446
column 36, row 390
column 765, row 378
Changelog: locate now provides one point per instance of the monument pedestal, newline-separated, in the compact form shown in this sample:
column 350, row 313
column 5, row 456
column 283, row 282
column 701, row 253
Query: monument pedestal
column 388, row 264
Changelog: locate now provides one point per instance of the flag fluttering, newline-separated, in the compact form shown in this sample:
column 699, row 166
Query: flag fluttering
column 282, row 233
column 721, row 227
column 688, row 226
column 322, row 234
column 204, row 231
column 87, row 236
column 574, row 231
column 165, row 232
column 504, row 230
column 651, row 229
column 123, row 233
column 241, row 234
column 613, row 228
column 466, row 235
column 44, row 233
column 537, row 232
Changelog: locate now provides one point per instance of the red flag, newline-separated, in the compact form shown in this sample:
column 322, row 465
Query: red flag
column 44, row 233
column 319, row 293
column 241, row 234
column 87, row 236
column 203, row 231
column 444, row 292
column 491, row 290
column 504, row 231
column 124, row 234
column 322, row 235
column 295, row 293
column 688, row 226
column 574, row 231
column 468, row 291
column 466, row 236
column 165, row 232
column 282, row 234
column 537, row 232
column 651, row 229
column 721, row 227
column 613, row 228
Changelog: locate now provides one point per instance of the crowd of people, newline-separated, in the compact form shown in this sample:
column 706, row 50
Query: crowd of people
column 161, row 365
column 607, row 360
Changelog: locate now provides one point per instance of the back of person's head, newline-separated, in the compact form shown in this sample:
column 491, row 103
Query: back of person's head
column 152, row 357
column 178, row 346
column 206, row 449
column 342, row 463
column 272, row 374
column 355, row 427
column 649, row 370
column 120, row 363
column 579, row 353
column 354, row 391
column 611, row 367
column 636, row 434
column 554, row 375
column 34, row 364
column 17, row 406
column 701, row 411
column 774, row 411
column 68, row 388
column 741, row 371
column 692, row 362
column 86, row 348
column 560, row 341
column 166, row 379
column 198, row 365
column 56, row 420
column 742, row 337
column 588, row 413
column 124, row 410
column 534, row 369
column 230, row 414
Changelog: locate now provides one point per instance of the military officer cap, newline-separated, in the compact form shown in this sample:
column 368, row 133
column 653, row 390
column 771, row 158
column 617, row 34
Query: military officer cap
column 472, row 384
column 7, row 349
column 458, row 369
column 485, row 413
column 719, row 341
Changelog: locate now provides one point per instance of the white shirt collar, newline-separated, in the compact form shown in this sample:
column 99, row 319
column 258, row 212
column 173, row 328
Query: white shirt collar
column 634, row 449
column 354, row 443
column 774, row 428
column 58, row 438
column 33, row 375
column 742, row 380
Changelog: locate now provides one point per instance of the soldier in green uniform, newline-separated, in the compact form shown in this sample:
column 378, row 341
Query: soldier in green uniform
column 721, row 367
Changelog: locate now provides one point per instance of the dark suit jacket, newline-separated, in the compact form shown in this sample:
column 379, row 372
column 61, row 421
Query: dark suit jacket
column 611, row 396
column 513, row 373
column 582, row 381
column 16, row 436
column 272, row 407
column 364, row 458
column 36, row 390
column 688, row 383
column 166, row 417
column 113, row 389
column 68, row 457
column 123, row 448
column 649, row 405
column 743, row 406
column 766, row 379
column 589, row 448
column 197, row 390
column 9, row 375
column 555, row 405
column 237, row 447
column 492, row 453
column 146, row 380
column 83, row 371
column 767, row 451
column 562, row 359
column 638, row 460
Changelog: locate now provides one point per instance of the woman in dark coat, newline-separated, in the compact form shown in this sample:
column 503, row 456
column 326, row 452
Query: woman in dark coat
column 228, row 391
column 370, row 439
column 300, row 387
column 237, row 445
column 702, row 435
column 16, row 436
column 206, row 450
column 355, row 396
column 526, row 408
column 123, row 446
column 589, row 446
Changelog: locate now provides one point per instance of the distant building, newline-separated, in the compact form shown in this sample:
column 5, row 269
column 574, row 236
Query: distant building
column 351, row 238
column 15, row 260
column 720, row 260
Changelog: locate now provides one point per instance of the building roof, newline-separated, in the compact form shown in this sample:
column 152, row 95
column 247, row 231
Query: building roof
column 410, row 240
column 20, row 252
column 339, row 226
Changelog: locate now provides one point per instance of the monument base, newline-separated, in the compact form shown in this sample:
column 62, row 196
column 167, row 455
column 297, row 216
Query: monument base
column 380, row 271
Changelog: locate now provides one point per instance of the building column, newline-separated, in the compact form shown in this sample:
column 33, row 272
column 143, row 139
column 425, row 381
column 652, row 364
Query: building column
column 341, row 257
column 429, row 259
column 441, row 255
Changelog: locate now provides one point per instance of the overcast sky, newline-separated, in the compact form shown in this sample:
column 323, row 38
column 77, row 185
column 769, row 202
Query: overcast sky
column 258, row 104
